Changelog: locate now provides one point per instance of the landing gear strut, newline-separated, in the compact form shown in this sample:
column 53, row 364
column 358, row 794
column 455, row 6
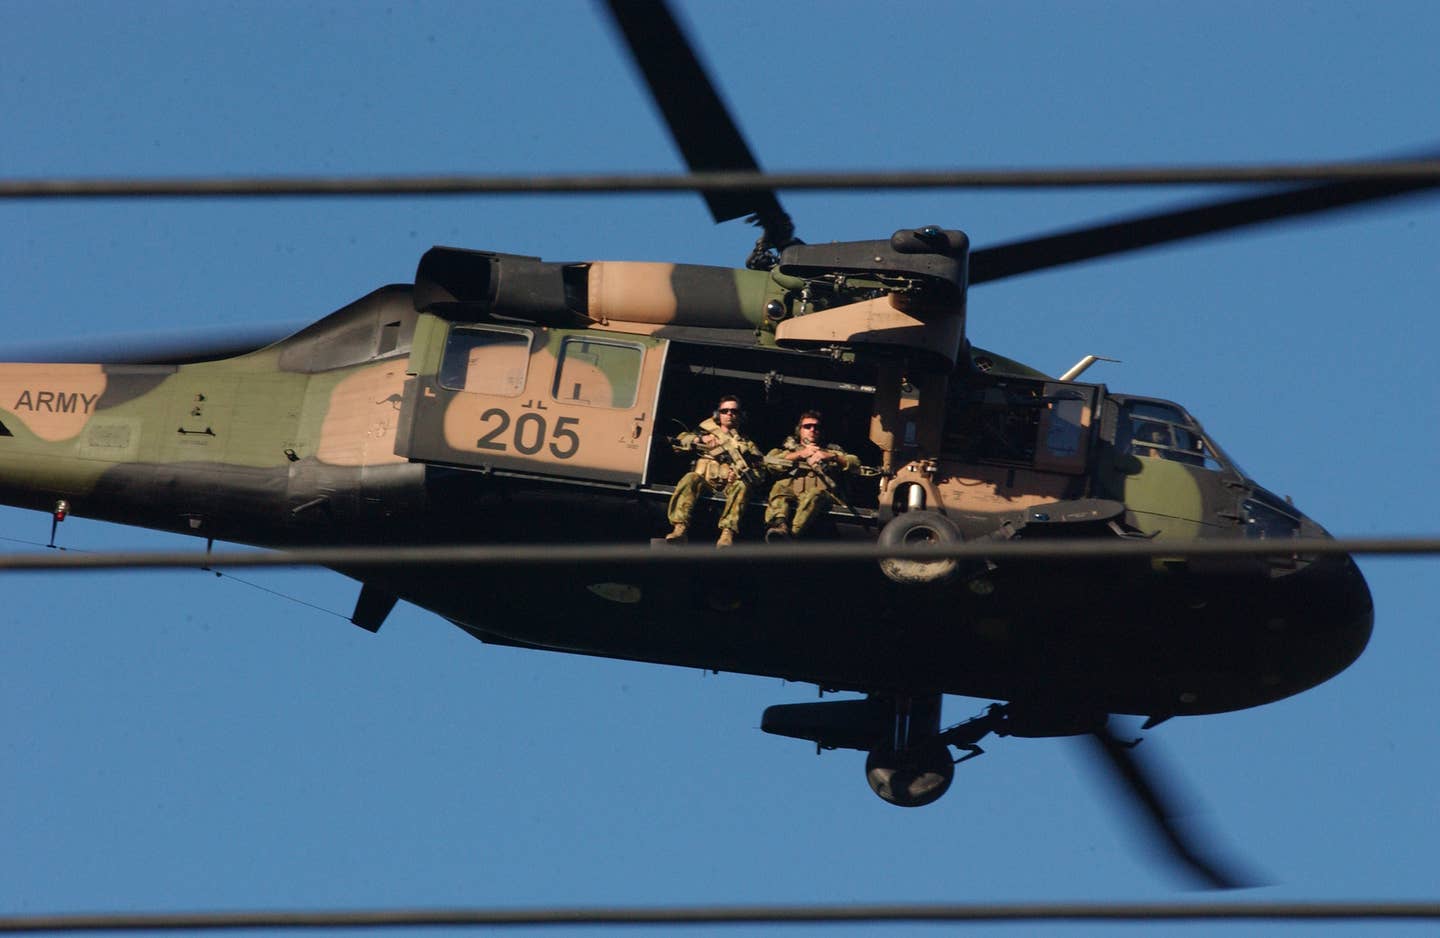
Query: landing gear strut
column 909, row 762
column 912, row 769
column 919, row 768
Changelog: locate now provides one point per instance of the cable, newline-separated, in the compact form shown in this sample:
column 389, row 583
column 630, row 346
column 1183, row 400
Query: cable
column 725, row 915
column 1393, row 171
column 218, row 573
column 279, row 595
column 549, row 555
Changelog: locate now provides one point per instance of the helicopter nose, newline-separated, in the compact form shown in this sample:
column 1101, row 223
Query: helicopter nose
column 1351, row 620
column 1327, row 619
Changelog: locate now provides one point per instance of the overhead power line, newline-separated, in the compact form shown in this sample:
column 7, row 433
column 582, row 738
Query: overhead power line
column 1390, row 171
column 727, row 915
column 550, row 555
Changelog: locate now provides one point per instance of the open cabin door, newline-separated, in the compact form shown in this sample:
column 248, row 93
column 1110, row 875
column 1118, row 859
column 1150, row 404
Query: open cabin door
column 570, row 403
column 1067, row 425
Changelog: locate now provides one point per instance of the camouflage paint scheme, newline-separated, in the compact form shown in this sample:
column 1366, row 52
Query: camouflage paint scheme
column 596, row 426
column 455, row 411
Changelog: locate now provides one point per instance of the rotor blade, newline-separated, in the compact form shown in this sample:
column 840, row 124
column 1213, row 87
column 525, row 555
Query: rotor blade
column 698, row 120
column 1150, row 793
column 1177, row 224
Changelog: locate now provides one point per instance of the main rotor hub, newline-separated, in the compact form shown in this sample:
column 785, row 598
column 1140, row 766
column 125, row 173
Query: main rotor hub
column 931, row 262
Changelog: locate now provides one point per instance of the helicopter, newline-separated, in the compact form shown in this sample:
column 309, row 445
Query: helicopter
column 1018, row 404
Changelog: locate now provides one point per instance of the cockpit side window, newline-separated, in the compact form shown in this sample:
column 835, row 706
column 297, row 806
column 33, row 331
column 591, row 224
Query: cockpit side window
column 1153, row 430
column 1268, row 517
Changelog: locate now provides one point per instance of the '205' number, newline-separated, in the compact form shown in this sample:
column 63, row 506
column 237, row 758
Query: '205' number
column 530, row 434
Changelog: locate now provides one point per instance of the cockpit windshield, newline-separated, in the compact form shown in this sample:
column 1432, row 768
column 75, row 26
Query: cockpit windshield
column 1157, row 430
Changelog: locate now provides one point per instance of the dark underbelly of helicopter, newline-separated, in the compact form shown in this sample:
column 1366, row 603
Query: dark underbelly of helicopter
column 1126, row 637
column 848, row 628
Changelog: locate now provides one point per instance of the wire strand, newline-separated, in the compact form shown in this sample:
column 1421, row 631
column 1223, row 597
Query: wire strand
column 276, row 593
column 1388, row 171
column 549, row 555
column 725, row 915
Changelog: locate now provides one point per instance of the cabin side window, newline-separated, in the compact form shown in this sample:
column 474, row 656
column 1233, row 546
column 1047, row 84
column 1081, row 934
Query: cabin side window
column 597, row 374
column 486, row 361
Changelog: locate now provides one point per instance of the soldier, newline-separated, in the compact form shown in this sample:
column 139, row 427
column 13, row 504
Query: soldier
column 811, row 468
column 728, row 463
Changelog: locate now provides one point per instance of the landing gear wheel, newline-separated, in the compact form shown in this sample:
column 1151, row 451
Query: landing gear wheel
column 912, row 778
column 917, row 528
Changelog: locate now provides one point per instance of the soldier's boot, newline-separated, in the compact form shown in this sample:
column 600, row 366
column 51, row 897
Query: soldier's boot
column 778, row 531
column 677, row 536
column 727, row 538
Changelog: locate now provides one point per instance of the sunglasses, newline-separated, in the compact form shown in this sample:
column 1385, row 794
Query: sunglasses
column 809, row 426
column 729, row 410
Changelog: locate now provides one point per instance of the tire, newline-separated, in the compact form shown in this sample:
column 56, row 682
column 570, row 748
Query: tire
column 919, row 527
column 910, row 779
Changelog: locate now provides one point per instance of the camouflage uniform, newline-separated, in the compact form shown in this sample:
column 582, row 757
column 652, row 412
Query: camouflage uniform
column 713, row 473
column 804, row 490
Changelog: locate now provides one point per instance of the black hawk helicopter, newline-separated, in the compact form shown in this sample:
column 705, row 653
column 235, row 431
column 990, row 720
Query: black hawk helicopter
column 518, row 392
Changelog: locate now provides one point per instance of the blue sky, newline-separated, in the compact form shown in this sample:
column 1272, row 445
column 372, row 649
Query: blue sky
column 181, row 742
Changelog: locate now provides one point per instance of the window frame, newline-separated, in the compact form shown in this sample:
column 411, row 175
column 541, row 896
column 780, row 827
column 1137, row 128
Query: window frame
column 450, row 336
column 639, row 373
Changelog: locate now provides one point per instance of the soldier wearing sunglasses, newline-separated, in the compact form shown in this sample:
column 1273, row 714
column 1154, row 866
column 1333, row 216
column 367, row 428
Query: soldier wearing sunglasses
column 811, row 469
column 729, row 463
